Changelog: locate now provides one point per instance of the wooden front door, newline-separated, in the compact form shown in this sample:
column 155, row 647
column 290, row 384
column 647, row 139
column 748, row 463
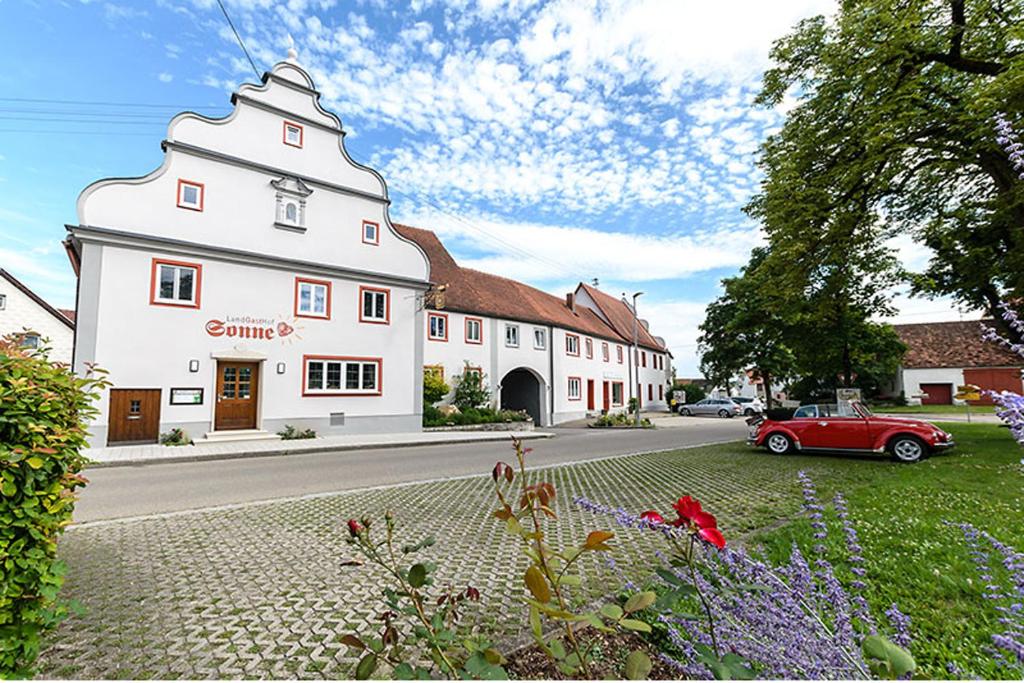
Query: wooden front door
column 607, row 397
column 134, row 416
column 237, row 390
column 590, row 394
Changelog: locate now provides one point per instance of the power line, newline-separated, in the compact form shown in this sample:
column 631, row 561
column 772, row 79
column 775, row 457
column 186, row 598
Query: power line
column 94, row 103
column 239, row 39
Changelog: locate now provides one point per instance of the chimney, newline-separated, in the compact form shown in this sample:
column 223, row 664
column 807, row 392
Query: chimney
column 570, row 302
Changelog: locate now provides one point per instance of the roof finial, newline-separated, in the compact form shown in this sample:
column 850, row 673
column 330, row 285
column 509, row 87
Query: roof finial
column 293, row 54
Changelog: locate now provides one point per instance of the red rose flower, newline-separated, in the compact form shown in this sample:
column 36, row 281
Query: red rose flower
column 652, row 516
column 686, row 507
column 713, row 536
column 695, row 519
column 354, row 527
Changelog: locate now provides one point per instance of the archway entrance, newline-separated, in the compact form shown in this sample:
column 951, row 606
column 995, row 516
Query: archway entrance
column 520, row 390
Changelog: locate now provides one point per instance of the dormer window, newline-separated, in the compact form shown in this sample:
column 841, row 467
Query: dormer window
column 291, row 204
column 371, row 233
column 190, row 195
column 292, row 134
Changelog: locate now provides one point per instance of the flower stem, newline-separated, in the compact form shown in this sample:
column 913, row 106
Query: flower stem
column 703, row 600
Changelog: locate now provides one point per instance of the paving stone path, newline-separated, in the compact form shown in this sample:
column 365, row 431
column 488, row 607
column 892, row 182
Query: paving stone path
column 257, row 591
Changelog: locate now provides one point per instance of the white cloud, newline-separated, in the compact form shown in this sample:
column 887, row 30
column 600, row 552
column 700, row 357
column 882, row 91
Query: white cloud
column 165, row 77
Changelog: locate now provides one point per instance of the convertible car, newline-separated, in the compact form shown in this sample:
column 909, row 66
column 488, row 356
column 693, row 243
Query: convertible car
column 848, row 428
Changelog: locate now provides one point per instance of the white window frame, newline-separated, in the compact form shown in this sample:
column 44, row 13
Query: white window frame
column 3, row 301
column 577, row 384
column 175, row 300
column 375, row 240
column 183, row 203
column 606, row 353
column 540, row 338
column 342, row 366
column 30, row 340
column 300, row 133
column 479, row 325
column 572, row 341
column 512, row 336
column 375, row 294
column 588, row 345
column 431, row 317
column 313, row 287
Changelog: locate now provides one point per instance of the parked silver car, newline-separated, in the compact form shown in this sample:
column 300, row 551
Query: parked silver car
column 722, row 407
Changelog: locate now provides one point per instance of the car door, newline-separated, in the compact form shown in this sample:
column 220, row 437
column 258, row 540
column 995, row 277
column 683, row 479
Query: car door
column 837, row 432
column 803, row 419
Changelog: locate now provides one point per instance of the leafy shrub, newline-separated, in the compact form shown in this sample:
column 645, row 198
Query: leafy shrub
column 433, row 417
column 694, row 393
column 175, row 437
column 44, row 409
column 291, row 432
column 632, row 405
column 620, row 420
column 434, row 388
column 470, row 390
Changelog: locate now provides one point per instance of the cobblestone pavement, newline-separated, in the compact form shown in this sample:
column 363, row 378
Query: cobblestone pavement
column 256, row 591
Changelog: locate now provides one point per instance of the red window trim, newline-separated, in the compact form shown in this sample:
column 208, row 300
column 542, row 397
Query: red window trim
column 474, row 368
column 436, row 366
column 618, row 353
column 588, row 344
column 387, row 308
column 622, row 395
column 438, row 315
column 376, row 232
column 380, row 375
column 202, row 195
column 284, row 133
column 606, row 353
column 643, row 359
column 465, row 330
column 567, row 351
column 311, row 281
column 168, row 262
column 569, row 382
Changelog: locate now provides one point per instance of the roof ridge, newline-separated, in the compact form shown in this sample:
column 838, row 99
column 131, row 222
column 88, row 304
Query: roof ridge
column 36, row 298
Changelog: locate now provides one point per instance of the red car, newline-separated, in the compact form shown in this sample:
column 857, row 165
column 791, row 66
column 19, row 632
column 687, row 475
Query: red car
column 822, row 427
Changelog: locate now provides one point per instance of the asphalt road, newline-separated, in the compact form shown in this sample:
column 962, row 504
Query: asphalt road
column 118, row 492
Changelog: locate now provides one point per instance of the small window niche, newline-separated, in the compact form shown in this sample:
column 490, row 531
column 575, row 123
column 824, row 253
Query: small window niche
column 291, row 204
column 191, row 195
column 292, row 134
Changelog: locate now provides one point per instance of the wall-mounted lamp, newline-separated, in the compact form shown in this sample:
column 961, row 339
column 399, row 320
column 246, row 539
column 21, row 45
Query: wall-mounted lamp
column 280, row 368
column 193, row 365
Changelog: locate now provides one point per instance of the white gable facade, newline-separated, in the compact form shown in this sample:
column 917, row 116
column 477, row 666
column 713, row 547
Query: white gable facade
column 40, row 325
column 253, row 281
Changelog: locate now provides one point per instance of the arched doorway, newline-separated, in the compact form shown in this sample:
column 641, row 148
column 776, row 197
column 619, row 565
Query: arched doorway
column 521, row 390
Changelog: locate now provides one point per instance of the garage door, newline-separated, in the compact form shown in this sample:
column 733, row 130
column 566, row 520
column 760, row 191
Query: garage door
column 995, row 379
column 938, row 394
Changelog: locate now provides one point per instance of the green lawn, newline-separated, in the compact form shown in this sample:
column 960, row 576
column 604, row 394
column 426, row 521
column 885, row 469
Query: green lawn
column 933, row 410
column 921, row 564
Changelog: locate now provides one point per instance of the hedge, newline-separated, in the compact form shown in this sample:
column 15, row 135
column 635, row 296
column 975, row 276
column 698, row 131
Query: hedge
column 44, row 408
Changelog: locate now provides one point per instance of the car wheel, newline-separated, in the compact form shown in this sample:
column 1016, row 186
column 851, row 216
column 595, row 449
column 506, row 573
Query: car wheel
column 685, row 412
column 907, row 449
column 778, row 444
column 748, row 412
column 724, row 413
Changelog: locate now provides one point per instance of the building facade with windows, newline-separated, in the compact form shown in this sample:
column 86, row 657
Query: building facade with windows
column 255, row 280
column 557, row 359
column 37, row 323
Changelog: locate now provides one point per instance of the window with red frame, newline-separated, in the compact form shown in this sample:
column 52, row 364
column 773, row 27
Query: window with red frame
column 341, row 376
column 474, row 331
column 575, row 388
column 292, row 135
column 572, row 344
column 618, row 354
column 437, row 327
column 371, row 233
column 605, row 352
column 175, row 283
column 374, row 305
column 589, row 346
column 312, row 298
column 643, row 359
column 191, row 195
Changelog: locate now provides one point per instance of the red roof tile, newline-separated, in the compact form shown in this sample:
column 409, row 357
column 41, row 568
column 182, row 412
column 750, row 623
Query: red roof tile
column 955, row 344
column 473, row 291
column 620, row 315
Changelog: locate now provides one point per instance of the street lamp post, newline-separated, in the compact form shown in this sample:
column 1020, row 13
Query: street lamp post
column 636, row 359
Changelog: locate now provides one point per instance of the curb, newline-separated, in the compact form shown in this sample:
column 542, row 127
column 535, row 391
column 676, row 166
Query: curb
column 303, row 450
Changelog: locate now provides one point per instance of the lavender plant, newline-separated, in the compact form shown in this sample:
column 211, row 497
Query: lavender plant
column 1001, row 569
column 797, row 620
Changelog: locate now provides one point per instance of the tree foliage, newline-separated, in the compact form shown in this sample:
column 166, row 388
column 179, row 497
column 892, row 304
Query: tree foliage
column 893, row 135
column 43, row 412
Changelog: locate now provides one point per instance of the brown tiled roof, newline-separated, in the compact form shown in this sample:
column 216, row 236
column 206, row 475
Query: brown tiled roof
column 620, row 314
column 68, row 313
column 952, row 345
column 473, row 291
column 59, row 315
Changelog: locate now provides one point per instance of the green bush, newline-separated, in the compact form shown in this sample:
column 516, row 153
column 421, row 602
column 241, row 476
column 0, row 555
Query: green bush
column 290, row 432
column 620, row 420
column 432, row 417
column 470, row 390
column 694, row 393
column 44, row 409
column 175, row 437
column 434, row 388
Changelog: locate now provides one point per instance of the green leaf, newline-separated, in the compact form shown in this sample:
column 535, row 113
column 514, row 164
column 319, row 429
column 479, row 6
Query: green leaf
column 34, row 462
column 640, row 601
column 8, row 488
column 535, row 624
column 638, row 666
column 537, row 584
column 403, row 672
column 613, row 612
column 668, row 577
column 635, row 625
column 556, row 648
column 417, row 575
column 571, row 580
column 896, row 661
column 367, row 665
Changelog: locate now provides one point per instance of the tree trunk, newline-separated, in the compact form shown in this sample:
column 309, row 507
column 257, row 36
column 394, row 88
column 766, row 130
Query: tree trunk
column 767, row 378
column 847, row 366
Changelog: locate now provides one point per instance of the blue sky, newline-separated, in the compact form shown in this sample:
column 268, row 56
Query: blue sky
column 551, row 142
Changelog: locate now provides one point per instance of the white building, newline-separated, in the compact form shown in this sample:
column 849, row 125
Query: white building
column 255, row 280
column 25, row 313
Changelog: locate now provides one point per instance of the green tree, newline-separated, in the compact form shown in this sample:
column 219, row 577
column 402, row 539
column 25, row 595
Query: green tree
column 434, row 388
column 470, row 389
column 893, row 134
column 745, row 328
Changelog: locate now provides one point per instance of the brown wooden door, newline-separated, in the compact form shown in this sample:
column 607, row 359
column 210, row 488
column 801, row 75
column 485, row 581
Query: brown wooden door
column 938, row 394
column 607, row 398
column 590, row 394
column 237, row 388
column 134, row 416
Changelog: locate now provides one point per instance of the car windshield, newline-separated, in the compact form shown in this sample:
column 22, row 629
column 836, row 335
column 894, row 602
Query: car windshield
column 861, row 409
column 806, row 411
